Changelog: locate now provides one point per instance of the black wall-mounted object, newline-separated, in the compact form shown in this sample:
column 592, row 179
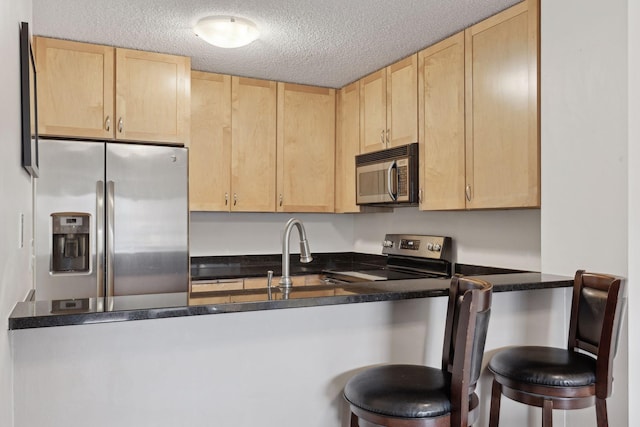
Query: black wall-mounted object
column 29, row 102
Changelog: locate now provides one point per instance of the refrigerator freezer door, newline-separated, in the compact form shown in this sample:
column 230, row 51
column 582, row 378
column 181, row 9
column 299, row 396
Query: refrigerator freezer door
column 147, row 219
column 70, row 174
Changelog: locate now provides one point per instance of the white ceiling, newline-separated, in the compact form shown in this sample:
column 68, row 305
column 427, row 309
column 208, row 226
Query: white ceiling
column 325, row 42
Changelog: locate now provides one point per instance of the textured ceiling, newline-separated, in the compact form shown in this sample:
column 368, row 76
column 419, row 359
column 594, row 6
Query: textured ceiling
column 325, row 43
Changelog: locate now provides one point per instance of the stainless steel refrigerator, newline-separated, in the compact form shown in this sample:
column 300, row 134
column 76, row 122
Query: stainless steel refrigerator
column 111, row 219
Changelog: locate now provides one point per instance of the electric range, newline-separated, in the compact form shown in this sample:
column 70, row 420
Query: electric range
column 409, row 256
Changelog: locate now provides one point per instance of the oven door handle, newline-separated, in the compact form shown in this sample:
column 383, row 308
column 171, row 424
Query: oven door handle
column 390, row 186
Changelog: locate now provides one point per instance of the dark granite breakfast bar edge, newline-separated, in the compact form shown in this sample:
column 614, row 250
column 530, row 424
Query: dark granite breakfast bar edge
column 39, row 314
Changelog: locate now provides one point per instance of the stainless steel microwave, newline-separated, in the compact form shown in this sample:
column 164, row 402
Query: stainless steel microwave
column 388, row 177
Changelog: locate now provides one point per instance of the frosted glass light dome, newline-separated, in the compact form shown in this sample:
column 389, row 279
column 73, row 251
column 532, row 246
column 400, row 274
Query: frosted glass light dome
column 226, row 31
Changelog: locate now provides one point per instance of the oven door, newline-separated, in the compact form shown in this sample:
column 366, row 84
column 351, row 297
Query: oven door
column 382, row 182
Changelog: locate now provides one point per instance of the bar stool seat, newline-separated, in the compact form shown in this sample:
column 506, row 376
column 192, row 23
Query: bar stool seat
column 407, row 391
column 548, row 366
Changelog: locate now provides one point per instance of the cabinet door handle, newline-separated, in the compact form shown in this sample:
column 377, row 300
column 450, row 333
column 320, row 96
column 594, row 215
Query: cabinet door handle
column 388, row 132
column 226, row 199
column 420, row 196
column 235, row 199
column 107, row 123
column 382, row 136
column 467, row 192
column 280, row 199
column 120, row 125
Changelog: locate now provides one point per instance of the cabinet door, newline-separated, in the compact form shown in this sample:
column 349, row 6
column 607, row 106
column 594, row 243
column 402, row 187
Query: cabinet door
column 503, row 158
column 75, row 88
column 210, row 144
column 253, row 145
column 306, row 148
column 442, row 149
column 373, row 111
column 347, row 147
column 402, row 102
column 152, row 97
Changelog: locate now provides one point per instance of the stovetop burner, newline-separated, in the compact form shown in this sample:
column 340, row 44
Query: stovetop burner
column 409, row 256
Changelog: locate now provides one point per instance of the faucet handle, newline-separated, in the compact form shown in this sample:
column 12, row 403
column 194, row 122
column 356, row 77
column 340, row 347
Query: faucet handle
column 269, row 278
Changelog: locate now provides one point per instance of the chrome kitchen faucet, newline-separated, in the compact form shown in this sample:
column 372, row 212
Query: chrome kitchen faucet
column 305, row 254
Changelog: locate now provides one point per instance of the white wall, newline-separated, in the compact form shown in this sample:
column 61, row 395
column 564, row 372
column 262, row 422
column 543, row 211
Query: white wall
column 499, row 238
column 504, row 238
column 584, row 116
column 15, row 193
column 634, row 205
column 267, row 368
column 584, row 135
column 261, row 233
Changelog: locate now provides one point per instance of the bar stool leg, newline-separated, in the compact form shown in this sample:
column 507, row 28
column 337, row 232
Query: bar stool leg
column 354, row 420
column 547, row 412
column 601, row 413
column 494, row 413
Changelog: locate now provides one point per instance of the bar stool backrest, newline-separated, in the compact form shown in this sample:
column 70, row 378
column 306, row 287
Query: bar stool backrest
column 466, row 328
column 596, row 315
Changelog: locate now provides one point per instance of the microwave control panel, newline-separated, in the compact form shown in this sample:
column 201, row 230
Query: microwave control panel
column 403, row 177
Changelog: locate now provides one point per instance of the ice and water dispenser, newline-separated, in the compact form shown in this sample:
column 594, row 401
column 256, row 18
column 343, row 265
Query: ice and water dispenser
column 70, row 251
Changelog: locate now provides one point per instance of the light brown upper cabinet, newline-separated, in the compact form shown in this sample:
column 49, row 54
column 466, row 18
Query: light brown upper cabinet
column 253, row 145
column 232, row 152
column 347, row 147
column 306, row 148
column 152, row 96
column 389, row 106
column 210, row 144
column 479, row 115
column 75, row 88
column 502, row 137
column 442, row 144
column 92, row 91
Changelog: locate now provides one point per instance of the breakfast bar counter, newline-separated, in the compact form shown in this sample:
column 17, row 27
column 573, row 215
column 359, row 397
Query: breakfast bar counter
column 283, row 359
column 39, row 314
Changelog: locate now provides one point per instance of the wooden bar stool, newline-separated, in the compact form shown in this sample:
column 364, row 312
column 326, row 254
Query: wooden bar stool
column 420, row 396
column 573, row 378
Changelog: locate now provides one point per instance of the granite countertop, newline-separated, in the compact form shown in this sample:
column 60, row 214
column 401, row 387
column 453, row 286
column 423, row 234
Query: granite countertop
column 239, row 266
column 39, row 314
column 234, row 266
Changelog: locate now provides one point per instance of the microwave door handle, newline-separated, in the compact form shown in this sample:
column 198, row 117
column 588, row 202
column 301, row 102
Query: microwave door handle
column 390, row 185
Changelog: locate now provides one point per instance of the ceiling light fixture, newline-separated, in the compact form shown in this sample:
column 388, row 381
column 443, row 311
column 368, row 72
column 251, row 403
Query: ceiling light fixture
column 226, row 31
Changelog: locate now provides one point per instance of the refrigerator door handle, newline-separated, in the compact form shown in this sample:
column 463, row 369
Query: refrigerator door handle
column 110, row 238
column 100, row 238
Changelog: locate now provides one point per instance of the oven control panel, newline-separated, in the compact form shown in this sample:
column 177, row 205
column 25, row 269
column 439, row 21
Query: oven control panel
column 410, row 244
column 419, row 246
